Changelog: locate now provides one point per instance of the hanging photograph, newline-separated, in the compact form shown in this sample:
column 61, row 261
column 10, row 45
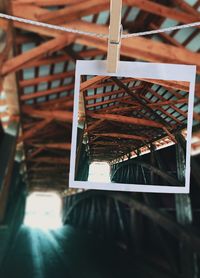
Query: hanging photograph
column 132, row 129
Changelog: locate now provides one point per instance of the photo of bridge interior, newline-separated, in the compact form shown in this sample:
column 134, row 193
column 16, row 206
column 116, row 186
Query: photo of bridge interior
column 138, row 127
column 48, row 229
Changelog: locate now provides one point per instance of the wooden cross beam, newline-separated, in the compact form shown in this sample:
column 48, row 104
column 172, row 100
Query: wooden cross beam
column 37, row 52
column 47, row 92
column 112, row 100
column 126, row 120
column 34, row 130
column 142, row 48
column 44, row 79
column 114, row 92
column 60, row 115
column 59, row 146
column 122, row 135
column 94, row 125
column 163, row 11
column 50, row 160
column 92, row 81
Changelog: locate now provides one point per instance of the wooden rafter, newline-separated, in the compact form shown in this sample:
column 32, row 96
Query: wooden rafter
column 126, row 120
column 122, row 135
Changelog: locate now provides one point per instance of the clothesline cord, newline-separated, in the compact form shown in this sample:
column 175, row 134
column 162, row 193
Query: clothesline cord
column 93, row 34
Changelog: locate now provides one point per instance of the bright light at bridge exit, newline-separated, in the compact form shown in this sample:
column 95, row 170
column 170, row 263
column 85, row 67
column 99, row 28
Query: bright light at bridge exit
column 43, row 210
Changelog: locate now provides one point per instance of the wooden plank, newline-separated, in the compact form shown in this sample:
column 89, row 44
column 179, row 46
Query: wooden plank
column 64, row 116
column 122, row 135
column 112, row 100
column 50, row 46
column 166, row 126
column 187, row 8
column 163, row 11
column 42, row 169
column 7, row 174
column 59, row 146
column 44, row 79
column 34, row 153
column 94, row 80
column 197, row 89
column 143, row 48
column 50, row 160
column 46, row 3
column 75, row 11
column 170, row 179
column 26, row 10
column 33, row 131
column 81, row 9
column 152, row 105
column 110, row 143
column 47, row 92
column 114, row 92
column 94, row 125
column 162, row 219
column 140, row 48
column 126, row 120
column 171, row 84
column 184, row 215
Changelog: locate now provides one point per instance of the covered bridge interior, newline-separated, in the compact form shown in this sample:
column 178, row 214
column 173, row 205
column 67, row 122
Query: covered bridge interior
column 124, row 119
column 137, row 126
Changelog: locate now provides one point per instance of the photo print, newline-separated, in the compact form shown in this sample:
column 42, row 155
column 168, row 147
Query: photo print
column 132, row 129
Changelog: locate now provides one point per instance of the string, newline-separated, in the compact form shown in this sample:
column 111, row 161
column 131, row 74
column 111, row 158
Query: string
column 93, row 34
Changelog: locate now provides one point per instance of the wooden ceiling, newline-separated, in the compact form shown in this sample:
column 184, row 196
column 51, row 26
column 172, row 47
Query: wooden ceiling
column 43, row 61
column 125, row 115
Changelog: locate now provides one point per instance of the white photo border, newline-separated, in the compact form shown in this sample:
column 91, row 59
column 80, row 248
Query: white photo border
column 161, row 71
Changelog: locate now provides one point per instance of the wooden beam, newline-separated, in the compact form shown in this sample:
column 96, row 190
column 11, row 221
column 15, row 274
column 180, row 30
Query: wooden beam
column 64, row 116
column 197, row 89
column 126, row 120
column 47, row 92
column 47, row 3
column 184, row 211
column 27, row 10
column 49, row 160
column 44, row 79
column 75, row 11
column 48, row 169
column 187, row 7
column 176, row 85
column 59, row 146
column 163, row 11
column 122, row 135
column 163, row 220
column 94, row 125
column 152, row 105
column 142, row 48
column 34, row 153
column 166, row 126
column 81, row 9
column 94, row 80
column 45, row 48
column 34, row 130
column 112, row 100
column 115, row 92
column 110, row 143
column 170, row 179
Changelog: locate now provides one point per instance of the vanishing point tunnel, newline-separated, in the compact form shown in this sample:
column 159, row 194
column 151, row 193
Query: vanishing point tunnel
column 129, row 131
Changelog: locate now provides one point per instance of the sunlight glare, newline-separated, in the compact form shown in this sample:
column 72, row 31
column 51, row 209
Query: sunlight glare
column 43, row 210
column 99, row 172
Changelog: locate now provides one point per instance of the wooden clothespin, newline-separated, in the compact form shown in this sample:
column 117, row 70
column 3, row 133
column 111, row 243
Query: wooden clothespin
column 114, row 39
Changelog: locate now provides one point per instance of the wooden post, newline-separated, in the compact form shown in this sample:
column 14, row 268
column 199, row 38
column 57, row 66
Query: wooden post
column 184, row 216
